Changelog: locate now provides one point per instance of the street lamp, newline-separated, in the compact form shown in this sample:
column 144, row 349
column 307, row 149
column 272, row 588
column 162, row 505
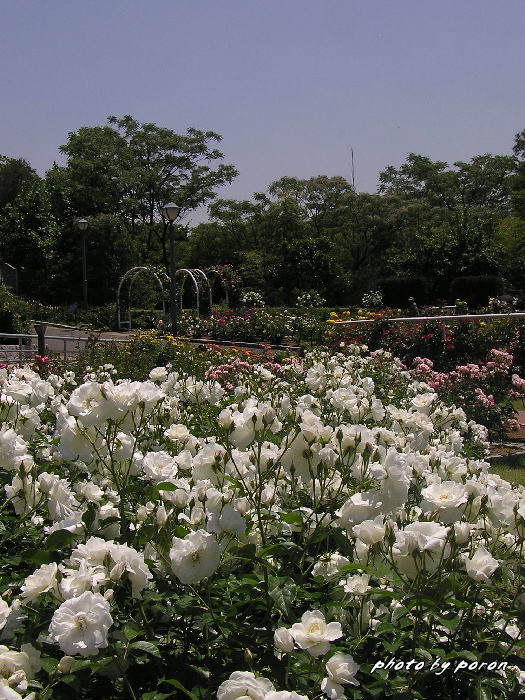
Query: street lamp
column 82, row 224
column 170, row 212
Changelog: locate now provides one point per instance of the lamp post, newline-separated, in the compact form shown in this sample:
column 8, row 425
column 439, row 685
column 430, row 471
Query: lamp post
column 170, row 212
column 82, row 224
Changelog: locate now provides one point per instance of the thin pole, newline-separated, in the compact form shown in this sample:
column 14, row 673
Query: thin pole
column 84, row 270
column 173, row 290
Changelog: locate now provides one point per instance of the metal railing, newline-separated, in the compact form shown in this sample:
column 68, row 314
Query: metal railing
column 424, row 319
column 23, row 351
column 440, row 321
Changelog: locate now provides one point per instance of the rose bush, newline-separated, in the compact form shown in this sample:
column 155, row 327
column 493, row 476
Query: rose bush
column 272, row 531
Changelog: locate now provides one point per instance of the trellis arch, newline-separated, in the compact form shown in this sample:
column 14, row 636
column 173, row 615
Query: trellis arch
column 130, row 276
column 194, row 274
column 218, row 276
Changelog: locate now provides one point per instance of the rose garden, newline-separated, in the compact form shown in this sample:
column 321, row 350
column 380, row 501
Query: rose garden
column 313, row 515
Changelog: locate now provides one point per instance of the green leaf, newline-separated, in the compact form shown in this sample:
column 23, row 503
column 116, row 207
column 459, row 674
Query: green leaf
column 180, row 687
column 248, row 551
column 292, row 518
column 468, row 655
column 131, row 632
column 81, row 664
column 282, row 592
column 59, row 539
column 165, row 486
column 37, row 556
column 148, row 647
column 48, row 663
column 347, row 568
column 89, row 516
column 483, row 693
column 385, row 627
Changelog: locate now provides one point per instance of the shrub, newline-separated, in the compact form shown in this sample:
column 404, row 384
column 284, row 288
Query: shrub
column 397, row 290
column 372, row 299
column 253, row 299
column 310, row 299
column 476, row 289
column 17, row 312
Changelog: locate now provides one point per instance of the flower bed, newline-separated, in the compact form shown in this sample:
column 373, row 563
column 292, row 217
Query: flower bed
column 445, row 344
column 323, row 527
column 258, row 325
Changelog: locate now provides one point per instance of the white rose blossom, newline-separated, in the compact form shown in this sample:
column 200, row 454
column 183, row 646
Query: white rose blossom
column 80, row 625
column 284, row 640
column 341, row 669
column 243, row 685
column 313, row 634
column 482, row 565
column 195, row 557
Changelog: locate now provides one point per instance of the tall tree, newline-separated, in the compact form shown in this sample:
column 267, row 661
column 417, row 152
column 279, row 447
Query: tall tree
column 484, row 182
column 15, row 174
column 128, row 170
column 518, row 183
column 28, row 238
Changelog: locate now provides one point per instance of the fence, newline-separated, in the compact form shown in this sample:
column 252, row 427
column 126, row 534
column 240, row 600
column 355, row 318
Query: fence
column 25, row 348
column 441, row 320
column 423, row 319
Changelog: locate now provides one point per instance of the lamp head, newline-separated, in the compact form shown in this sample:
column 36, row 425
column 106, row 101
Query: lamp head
column 170, row 211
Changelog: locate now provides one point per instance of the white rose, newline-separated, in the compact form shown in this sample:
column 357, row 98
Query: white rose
column 313, row 634
column 283, row 639
column 462, row 532
column 195, row 557
column 481, row 566
column 80, row 625
column 158, row 374
column 18, row 667
column 421, row 536
column 177, row 433
column 88, row 404
column 13, row 451
column 370, row 531
column 228, row 520
column 43, row 580
column 447, row 494
column 128, row 560
column 358, row 508
column 5, row 611
column 65, row 664
column 356, row 585
column 341, row 669
column 244, row 685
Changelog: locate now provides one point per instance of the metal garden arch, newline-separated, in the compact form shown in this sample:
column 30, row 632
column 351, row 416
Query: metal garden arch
column 218, row 276
column 195, row 275
column 130, row 277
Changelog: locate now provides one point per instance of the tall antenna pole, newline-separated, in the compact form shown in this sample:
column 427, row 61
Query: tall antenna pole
column 353, row 170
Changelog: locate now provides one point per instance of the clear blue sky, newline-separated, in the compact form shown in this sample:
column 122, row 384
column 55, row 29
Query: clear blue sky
column 289, row 84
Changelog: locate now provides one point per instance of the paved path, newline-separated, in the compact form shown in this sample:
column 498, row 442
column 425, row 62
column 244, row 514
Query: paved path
column 55, row 333
column 55, row 344
column 520, row 433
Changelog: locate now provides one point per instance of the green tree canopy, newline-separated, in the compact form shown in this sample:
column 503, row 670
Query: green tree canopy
column 15, row 174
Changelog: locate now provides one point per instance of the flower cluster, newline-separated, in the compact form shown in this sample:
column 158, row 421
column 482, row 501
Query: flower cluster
column 267, row 539
column 486, row 390
column 252, row 298
column 310, row 299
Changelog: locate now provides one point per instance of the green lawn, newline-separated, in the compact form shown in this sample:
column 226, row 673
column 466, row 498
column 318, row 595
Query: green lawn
column 514, row 474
